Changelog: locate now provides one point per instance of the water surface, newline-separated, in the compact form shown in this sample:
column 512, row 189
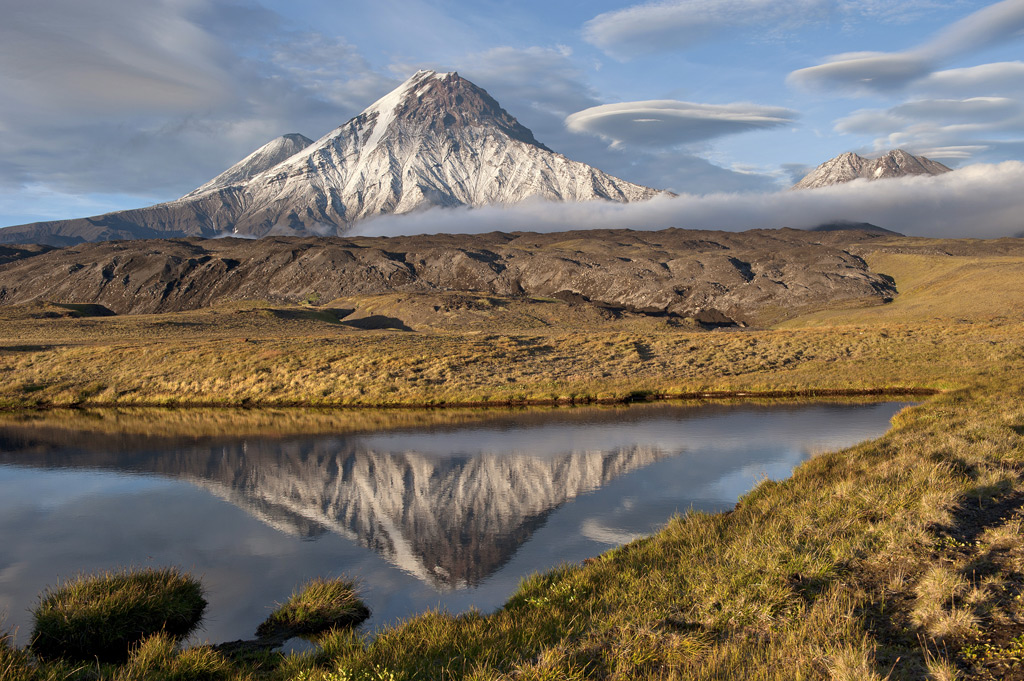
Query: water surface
column 441, row 514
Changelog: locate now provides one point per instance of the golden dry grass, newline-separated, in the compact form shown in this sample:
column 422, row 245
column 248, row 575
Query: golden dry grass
column 390, row 367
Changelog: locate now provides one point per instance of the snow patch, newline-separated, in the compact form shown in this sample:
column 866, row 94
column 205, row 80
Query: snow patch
column 385, row 108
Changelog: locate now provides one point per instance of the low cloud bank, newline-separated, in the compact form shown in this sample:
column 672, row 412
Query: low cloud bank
column 981, row 201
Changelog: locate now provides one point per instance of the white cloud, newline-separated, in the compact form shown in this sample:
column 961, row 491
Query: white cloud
column 975, row 110
column 154, row 98
column 951, row 129
column 999, row 78
column 865, row 72
column 869, row 122
column 988, row 26
column 974, row 201
column 976, row 113
column 676, row 25
column 90, row 54
column 680, row 24
column 666, row 123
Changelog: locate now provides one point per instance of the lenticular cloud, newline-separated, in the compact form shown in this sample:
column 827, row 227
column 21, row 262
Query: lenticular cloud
column 980, row 200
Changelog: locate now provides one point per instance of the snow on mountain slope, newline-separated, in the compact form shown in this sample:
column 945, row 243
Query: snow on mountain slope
column 436, row 140
column 267, row 156
column 850, row 166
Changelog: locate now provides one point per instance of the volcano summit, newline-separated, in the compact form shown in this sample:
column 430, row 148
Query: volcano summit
column 436, row 140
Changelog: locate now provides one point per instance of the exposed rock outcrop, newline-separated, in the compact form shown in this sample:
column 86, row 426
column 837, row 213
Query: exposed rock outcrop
column 751, row 277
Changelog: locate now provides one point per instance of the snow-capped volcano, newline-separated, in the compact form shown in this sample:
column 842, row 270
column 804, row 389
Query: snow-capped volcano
column 436, row 140
column 850, row 166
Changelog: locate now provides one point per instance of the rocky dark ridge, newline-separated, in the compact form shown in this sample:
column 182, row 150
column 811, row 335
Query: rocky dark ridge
column 867, row 227
column 753, row 277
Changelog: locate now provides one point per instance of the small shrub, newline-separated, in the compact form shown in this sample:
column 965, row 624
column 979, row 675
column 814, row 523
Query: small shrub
column 104, row 616
column 320, row 605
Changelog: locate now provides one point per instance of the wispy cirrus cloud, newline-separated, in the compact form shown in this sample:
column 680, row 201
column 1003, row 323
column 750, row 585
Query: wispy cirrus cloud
column 667, row 123
column 859, row 73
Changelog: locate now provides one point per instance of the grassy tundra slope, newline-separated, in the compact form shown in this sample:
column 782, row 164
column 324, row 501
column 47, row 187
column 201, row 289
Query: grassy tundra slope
column 958, row 299
column 899, row 558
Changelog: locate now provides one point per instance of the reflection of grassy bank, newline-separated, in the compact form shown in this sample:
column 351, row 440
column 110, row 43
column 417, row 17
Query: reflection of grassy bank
column 104, row 427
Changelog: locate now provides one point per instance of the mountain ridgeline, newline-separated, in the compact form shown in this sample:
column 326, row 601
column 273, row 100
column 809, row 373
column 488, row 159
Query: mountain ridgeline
column 749, row 278
column 849, row 166
column 436, row 140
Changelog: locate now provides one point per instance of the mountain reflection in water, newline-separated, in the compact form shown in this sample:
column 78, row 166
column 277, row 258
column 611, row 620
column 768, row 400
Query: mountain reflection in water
column 450, row 505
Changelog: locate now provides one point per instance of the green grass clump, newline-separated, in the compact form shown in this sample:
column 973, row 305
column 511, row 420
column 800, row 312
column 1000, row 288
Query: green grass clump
column 103, row 616
column 158, row 658
column 320, row 605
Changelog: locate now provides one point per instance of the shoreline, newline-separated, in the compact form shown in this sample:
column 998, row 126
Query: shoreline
column 636, row 397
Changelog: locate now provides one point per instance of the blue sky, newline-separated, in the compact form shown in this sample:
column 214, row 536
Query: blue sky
column 112, row 104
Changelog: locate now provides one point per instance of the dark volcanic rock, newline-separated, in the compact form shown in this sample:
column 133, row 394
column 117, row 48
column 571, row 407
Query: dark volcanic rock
column 721, row 277
column 841, row 225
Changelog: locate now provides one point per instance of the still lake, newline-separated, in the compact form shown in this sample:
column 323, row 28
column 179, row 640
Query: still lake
column 433, row 510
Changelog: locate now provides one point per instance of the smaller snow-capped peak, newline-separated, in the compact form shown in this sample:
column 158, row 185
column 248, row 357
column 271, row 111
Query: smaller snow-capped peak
column 849, row 166
column 269, row 155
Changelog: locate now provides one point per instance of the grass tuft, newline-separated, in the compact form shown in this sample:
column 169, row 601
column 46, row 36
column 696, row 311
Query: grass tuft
column 103, row 616
column 158, row 658
column 319, row 606
column 13, row 662
column 852, row 663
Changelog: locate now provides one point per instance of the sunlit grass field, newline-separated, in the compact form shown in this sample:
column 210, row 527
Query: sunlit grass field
column 900, row 558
